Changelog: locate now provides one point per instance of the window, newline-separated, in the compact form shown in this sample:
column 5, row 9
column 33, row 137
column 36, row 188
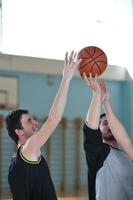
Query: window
column 49, row 28
column 8, row 92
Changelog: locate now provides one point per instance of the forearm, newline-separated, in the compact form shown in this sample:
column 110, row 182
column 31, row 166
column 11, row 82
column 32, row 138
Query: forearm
column 59, row 103
column 118, row 130
column 93, row 114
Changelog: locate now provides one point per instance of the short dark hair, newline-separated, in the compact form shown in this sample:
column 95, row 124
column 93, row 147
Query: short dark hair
column 102, row 115
column 13, row 122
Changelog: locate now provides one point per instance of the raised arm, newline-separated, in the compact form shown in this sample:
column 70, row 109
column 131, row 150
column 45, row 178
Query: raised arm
column 95, row 149
column 37, row 140
column 117, row 128
column 93, row 113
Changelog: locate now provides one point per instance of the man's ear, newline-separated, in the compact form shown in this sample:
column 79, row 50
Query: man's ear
column 18, row 132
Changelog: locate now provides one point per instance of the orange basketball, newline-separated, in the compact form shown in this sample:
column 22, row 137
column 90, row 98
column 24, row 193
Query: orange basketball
column 93, row 60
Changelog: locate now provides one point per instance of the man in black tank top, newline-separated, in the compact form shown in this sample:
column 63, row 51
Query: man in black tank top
column 29, row 176
column 30, row 179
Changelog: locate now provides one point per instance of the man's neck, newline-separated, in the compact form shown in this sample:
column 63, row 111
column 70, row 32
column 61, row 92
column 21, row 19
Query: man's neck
column 21, row 142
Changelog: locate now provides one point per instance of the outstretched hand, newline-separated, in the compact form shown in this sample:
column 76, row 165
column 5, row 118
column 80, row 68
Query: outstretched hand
column 71, row 62
column 98, row 86
column 93, row 83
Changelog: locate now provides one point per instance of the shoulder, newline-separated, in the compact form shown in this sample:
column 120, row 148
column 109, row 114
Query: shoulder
column 31, row 158
column 90, row 132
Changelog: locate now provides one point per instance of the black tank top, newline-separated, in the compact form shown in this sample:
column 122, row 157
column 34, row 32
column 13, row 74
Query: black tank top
column 30, row 180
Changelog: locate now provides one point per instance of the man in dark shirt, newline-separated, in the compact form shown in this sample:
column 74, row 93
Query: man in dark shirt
column 107, row 149
column 29, row 177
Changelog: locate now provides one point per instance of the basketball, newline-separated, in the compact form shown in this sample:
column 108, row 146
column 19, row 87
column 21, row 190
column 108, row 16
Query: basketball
column 93, row 60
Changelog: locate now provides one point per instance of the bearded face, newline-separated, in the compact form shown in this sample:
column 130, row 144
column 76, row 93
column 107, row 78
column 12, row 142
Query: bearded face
column 105, row 130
